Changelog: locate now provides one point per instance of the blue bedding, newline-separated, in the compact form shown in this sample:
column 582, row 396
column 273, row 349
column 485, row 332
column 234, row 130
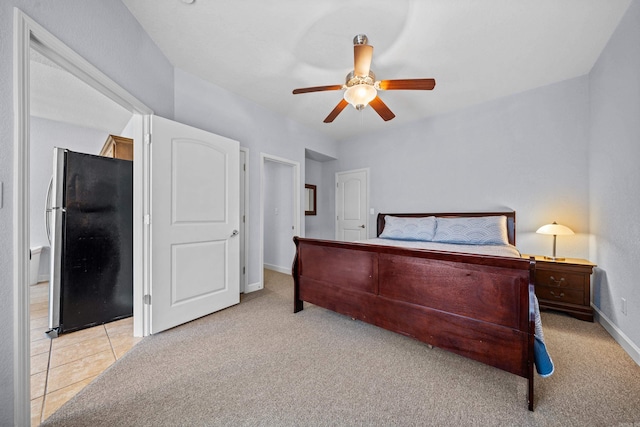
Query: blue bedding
column 541, row 358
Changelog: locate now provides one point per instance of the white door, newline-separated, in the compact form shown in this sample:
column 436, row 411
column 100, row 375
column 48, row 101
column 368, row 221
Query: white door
column 194, row 221
column 352, row 204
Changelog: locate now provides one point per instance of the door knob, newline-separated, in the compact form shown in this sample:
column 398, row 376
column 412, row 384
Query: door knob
column 362, row 226
column 235, row 233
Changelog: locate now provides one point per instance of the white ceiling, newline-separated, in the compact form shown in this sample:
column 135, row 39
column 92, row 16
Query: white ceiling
column 58, row 95
column 477, row 50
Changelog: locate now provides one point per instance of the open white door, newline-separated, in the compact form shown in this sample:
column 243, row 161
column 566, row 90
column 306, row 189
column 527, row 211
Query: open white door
column 352, row 204
column 194, row 224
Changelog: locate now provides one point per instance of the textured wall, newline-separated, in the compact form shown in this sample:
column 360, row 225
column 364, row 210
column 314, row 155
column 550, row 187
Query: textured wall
column 526, row 152
column 615, row 176
column 322, row 174
column 6, row 216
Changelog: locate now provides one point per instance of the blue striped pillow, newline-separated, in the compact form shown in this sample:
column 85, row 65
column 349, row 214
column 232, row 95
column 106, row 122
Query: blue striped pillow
column 482, row 230
column 404, row 228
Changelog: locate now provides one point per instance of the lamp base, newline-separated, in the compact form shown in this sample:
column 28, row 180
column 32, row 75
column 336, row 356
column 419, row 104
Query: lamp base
column 554, row 258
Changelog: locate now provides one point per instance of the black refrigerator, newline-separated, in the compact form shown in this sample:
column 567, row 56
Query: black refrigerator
column 90, row 222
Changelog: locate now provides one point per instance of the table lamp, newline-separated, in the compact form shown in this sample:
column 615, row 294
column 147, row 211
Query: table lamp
column 555, row 229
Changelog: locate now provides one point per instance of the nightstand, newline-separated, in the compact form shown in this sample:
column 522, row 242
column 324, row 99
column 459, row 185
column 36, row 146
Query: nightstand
column 564, row 285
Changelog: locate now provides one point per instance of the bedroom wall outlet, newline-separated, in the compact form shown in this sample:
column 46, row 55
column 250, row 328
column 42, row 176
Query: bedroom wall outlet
column 623, row 306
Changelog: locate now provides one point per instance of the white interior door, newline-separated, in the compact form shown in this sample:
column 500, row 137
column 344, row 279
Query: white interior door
column 194, row 220
column 352, row 204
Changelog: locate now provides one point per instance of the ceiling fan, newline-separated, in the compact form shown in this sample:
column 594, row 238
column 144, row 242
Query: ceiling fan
column 361, row 88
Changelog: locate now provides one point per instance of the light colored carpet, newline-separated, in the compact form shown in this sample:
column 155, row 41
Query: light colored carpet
column 259, row 364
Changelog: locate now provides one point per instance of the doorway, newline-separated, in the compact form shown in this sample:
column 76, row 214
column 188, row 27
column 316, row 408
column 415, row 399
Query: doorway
column 62, row 368
column 68, row 114
column 29, row 35
column 279, row 212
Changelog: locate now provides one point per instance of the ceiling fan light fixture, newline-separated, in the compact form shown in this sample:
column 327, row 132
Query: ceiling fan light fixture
column 360, row 95
column 361, row 88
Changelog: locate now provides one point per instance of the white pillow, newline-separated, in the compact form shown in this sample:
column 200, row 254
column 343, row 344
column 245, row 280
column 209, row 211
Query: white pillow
column 482, row 230
column 405, row 228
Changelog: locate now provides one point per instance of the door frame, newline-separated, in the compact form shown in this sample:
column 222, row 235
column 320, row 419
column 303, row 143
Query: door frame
column 28, row 34
column 297, row 205
column 368, row 204
column 244, row 225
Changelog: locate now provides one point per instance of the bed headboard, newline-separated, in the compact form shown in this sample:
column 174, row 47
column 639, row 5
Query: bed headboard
column 511, row 219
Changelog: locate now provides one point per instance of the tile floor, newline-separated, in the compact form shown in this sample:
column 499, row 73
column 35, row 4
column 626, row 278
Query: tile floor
column 61, row 367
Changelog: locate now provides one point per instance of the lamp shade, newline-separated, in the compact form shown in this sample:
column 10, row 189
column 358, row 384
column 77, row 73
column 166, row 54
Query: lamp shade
column 360, row 95
column 555, row 229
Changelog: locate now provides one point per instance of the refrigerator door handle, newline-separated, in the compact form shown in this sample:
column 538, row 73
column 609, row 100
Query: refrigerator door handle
column 47, row 211
column 56, row 225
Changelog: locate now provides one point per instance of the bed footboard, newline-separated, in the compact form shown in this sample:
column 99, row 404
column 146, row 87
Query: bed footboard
column 473, row 305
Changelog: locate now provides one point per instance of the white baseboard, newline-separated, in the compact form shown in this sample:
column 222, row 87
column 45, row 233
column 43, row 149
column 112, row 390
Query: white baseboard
column 620, row 337
column 252, row 287
column 283, row 270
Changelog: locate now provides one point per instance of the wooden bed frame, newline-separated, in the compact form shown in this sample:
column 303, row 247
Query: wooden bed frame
column 477, row 306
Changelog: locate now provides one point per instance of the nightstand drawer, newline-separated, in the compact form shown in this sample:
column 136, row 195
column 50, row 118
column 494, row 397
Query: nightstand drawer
column 560, row 279
column 564, row 285
column 566, row 295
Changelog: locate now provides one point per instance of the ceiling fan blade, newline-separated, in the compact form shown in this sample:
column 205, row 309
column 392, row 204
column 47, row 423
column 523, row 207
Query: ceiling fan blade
column 333, row 114
column 382, row 109
column 362, row 54
column 316, row 89
column 407, row 84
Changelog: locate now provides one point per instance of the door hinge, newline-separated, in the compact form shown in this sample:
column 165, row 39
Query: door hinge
column 244, row 270
column 147, row 138
column 147, row 219
column 147, row 299
column 243, row 219
column 244, row 167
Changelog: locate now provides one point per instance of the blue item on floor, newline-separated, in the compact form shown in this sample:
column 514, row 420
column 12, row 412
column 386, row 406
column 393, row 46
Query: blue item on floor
column 541, row 358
